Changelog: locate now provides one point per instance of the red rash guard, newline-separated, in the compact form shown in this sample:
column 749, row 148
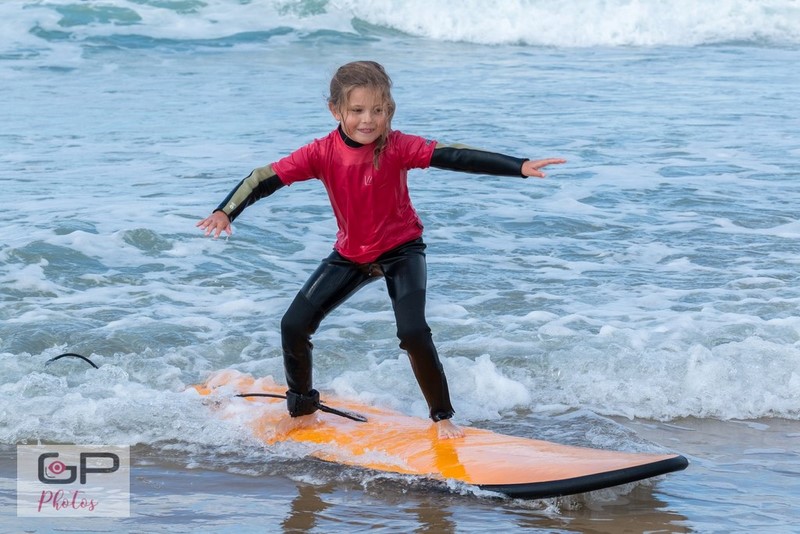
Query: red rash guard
column 372, row 206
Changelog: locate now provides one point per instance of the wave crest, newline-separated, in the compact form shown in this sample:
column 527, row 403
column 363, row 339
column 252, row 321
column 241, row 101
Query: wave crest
column 557, row 23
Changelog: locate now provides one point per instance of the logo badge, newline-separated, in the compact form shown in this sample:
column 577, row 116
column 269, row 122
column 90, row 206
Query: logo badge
column 73, row 481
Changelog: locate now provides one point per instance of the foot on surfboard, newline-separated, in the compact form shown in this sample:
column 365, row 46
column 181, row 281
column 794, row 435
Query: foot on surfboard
column 447, row 430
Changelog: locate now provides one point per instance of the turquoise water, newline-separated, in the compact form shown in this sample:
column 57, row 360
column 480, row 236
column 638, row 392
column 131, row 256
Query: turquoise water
column 642, row 294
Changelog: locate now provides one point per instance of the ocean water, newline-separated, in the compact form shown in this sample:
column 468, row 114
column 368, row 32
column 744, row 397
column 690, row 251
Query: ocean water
column 644, row 296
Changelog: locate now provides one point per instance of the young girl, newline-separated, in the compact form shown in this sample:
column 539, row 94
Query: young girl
column 363, row 165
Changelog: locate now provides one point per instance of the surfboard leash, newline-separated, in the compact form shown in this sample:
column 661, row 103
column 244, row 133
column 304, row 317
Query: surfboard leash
column 71, row 355
column 353, row 416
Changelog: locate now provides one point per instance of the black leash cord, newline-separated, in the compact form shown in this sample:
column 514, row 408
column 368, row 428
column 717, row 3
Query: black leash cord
column 71, row 355
column 327, row 409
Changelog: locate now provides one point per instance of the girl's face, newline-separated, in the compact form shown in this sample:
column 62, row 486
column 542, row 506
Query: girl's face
column 364, row 117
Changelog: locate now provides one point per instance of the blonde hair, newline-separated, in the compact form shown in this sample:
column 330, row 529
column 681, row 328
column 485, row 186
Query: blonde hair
column 371, row 75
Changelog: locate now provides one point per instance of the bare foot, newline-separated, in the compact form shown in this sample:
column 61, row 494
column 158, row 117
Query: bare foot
column 447, row 430
column 289, row 424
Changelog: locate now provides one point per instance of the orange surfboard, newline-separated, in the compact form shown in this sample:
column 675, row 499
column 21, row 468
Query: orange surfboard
column 393, row 442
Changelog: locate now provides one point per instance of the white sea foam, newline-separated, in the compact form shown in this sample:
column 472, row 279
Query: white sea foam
column 590, row 23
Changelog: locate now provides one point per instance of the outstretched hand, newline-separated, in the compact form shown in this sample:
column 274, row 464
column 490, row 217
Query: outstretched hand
column 216, row 223
column 531, row 167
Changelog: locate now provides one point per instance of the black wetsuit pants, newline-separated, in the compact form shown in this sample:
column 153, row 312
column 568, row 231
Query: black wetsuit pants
column 404, row 269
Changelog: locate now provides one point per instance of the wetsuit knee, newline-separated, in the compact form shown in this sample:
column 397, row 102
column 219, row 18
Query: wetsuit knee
column 299, row 319
column 412, row 328
column 414, row 338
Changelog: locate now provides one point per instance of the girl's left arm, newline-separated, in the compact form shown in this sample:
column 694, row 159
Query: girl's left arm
column 464, row 159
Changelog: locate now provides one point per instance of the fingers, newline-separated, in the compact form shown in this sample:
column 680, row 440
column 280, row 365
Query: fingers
column 226, row 229
column 531, row 167
column 215, row 225
column 538, row 164
column 218, row 229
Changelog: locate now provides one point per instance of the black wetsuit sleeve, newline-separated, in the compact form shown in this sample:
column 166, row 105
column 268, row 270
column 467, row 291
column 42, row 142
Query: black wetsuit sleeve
column 465, row 159
column 260, row 183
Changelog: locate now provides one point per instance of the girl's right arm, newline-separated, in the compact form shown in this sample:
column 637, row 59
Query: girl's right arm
column 261, row 183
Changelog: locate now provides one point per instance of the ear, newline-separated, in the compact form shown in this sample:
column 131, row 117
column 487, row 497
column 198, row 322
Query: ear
column 335, row 112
